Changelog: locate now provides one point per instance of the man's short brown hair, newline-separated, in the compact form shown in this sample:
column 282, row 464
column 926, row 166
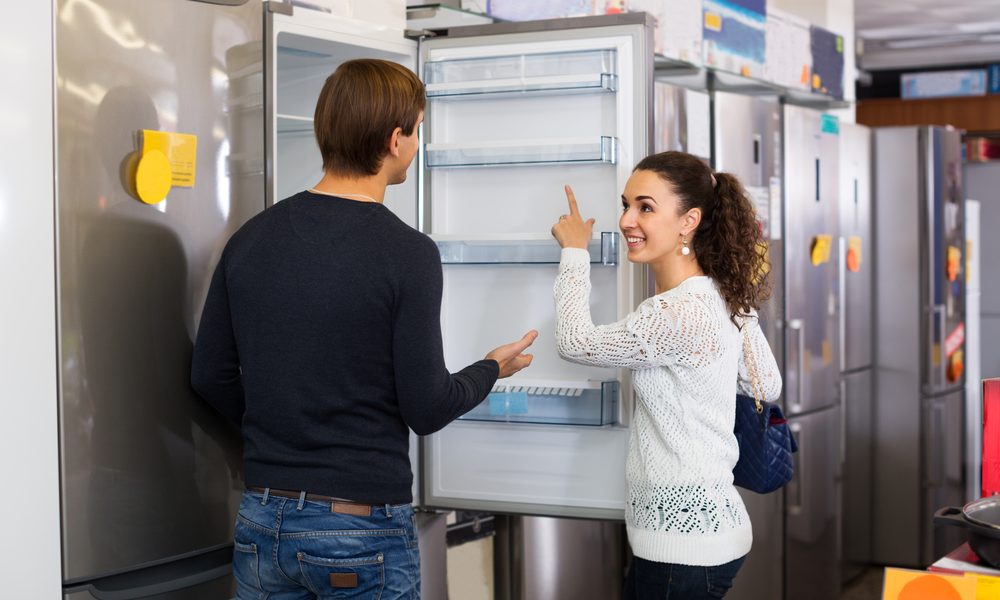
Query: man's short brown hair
column 361, row 104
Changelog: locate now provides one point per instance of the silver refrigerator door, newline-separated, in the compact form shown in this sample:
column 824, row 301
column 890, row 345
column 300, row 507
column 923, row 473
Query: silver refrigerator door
column 811, row 265
column 748, row 144
column 940, row 171
column 812, row 524
column 149, row 471
column 856, row 253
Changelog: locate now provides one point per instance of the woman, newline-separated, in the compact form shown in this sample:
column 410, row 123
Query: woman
column 697, row 232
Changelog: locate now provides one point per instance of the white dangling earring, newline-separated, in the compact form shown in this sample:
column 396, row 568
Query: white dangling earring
column 685, row 250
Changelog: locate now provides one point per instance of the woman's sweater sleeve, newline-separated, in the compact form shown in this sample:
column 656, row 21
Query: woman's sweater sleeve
column 768, row 375
column 648, row 337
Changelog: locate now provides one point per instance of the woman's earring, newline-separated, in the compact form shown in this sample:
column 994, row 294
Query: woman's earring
column 685, row 250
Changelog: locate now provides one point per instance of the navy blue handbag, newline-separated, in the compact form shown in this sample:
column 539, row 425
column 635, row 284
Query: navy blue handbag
column 766, row 443
column 766, row 446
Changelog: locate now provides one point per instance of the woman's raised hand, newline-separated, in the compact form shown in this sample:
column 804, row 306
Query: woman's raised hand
column 571, row 231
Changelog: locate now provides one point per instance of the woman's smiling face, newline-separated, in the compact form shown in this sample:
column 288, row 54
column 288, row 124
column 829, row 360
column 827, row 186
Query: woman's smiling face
column 651, row 222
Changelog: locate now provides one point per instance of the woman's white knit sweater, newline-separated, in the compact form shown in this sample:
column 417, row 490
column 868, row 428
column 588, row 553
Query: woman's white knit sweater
column 686, row 356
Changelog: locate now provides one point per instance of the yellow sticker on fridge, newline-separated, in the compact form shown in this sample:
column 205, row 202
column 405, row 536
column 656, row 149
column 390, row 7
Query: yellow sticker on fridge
column 180, row 150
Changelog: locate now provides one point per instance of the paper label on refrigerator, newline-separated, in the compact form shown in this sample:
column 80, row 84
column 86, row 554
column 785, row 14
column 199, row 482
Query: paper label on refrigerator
column 954, row 340
column 819, row 250
column 774, row 197
column 761, row 198
column 180, row 150
column 853, row 258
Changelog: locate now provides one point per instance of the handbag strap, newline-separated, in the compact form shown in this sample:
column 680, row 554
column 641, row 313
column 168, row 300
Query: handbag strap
column 751, row 360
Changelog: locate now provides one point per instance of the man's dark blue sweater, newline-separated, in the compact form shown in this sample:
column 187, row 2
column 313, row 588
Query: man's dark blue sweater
column 321, row 339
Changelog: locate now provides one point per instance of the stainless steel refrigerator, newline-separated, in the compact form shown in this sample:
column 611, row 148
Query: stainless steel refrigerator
column 920, row 303
column 812, row 369
column 150, row 474
column 747, row 142
column 856, row 258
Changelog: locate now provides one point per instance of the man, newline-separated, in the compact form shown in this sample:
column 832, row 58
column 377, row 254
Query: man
column 321, row 339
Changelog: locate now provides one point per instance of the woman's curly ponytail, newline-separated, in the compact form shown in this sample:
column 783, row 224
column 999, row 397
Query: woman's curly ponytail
column 728, row 243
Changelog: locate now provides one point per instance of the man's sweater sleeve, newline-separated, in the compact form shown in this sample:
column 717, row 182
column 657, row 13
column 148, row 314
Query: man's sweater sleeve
column 215, row 365
column 429, row 396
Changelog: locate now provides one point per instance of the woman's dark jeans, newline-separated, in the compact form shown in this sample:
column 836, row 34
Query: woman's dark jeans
column 649, row 580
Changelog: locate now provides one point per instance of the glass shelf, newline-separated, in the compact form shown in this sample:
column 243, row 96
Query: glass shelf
column 556, row 84
column 566, row 72
column 523, row 152
column 594, row 403
column 294, row 124
column 521, row 250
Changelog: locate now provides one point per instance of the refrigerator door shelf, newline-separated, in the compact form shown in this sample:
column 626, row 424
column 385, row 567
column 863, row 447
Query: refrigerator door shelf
column 588, row 83
column 294, row 124
column 486, row 72
column 522, row 250
column 551, row 403
column 599, row 150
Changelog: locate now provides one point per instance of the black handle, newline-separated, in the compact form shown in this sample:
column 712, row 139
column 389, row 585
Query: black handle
column 950, row 515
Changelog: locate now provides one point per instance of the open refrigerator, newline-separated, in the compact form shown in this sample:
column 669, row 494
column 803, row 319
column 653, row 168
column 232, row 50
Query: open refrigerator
column 515, row 111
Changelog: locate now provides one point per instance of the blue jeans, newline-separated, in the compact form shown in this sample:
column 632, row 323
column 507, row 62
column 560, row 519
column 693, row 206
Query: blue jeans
column 648, row 580
column 291, row 550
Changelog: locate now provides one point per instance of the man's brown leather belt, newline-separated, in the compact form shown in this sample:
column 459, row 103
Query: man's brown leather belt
column 336, row 505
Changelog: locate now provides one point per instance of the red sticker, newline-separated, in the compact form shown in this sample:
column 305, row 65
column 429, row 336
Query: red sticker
column 954, row 340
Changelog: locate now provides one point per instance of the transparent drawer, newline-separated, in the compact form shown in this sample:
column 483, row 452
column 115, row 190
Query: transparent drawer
column 603, row 149
column 521, row 250
column 568, row 72
column 556, row 403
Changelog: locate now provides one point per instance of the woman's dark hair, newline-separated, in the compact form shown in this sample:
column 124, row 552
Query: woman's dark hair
column 728, row 243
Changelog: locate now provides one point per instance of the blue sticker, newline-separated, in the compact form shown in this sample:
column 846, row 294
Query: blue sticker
column 508, row 403
column 830, row 124
column 994, row 79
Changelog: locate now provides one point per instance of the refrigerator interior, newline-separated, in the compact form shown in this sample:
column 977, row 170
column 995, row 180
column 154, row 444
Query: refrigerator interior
column 747, row 143
column 856, row 257
column 514, row 115
column 149, row 472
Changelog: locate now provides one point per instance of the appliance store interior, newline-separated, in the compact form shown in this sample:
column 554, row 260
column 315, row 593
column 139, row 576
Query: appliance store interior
column 141, row 136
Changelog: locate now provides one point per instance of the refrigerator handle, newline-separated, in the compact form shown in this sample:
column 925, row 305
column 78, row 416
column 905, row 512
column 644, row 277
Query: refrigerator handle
column 842, row 384
column 796, row 325
column 842, row 299
column 756, row 156
column 938, row 310
column 794, row 496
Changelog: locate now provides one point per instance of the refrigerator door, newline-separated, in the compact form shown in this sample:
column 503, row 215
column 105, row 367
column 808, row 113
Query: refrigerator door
column 857, row 251
column 302, row 48
column 858, row 432
column 974, row 353
column 811, row 268
column 515, row 112
column 748, row 144
column 148, row 470
column 940, row 164
column 813, row 511
column 943, row 469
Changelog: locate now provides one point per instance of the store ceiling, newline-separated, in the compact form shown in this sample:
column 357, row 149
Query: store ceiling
column 913, row 33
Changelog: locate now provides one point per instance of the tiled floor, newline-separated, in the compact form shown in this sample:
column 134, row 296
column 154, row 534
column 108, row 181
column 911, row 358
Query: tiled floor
column 868, row 586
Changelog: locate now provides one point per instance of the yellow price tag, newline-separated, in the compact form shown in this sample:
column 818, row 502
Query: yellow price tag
column 181, row 150
column 819, row 251
column 713, row 21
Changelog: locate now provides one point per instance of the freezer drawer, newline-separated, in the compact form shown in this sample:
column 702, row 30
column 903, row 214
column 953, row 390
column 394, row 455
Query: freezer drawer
column 813, row 509
column 761, row 575
column 857, row 532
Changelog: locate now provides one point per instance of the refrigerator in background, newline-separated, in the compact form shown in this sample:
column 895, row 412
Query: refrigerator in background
column 920, row 328
column 856, row 255
column 747, row 143
column 682, row 119
column 973, row 354
column 812, row 346
column 150, row 475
